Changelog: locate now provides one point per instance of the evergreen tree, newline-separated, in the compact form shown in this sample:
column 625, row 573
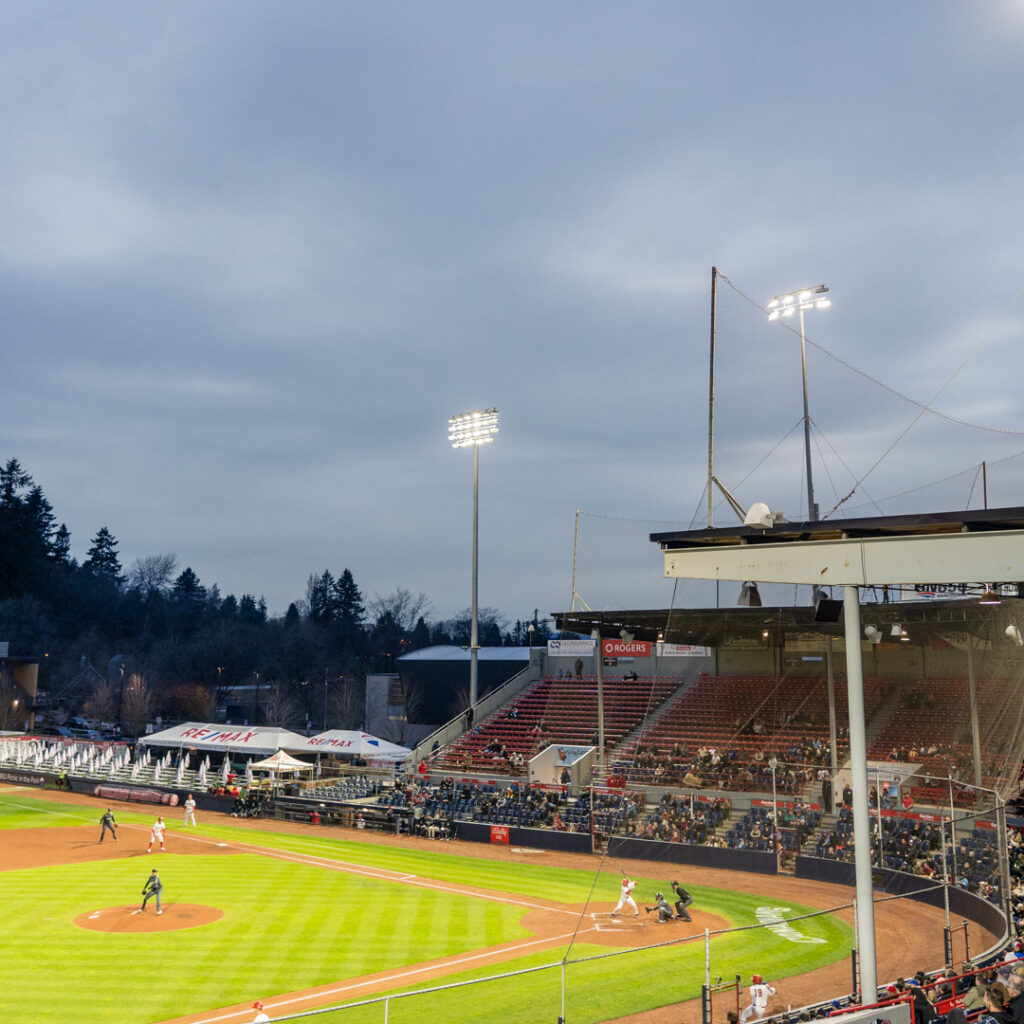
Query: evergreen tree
column 252, row 611
column 320, row 597
column 62, row 545
column 188, row 599
column 420, row 636
column 349, row 610
column 101, row 561
column 27, row 534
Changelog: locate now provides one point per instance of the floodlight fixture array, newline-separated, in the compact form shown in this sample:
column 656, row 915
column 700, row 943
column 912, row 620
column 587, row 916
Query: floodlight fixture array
column 806, row 298
column 475, row 428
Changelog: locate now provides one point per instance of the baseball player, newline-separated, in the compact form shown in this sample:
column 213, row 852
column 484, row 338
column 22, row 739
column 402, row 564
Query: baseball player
column 662, row 907
column 759, row 993
column 156, row 835
column 261, row 1017
column 190, row 811
column 685, row 899
column 625, row 897
column 152, row 888
column 107, row 821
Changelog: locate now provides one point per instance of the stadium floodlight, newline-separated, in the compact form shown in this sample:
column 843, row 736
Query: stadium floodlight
column 473, row 428
column 787, row 304
column 470, row 430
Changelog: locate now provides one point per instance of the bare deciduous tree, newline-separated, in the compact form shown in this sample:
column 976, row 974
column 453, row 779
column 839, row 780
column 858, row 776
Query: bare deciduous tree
column 137, row 705
column 153, row 574
column 101, row 704
column 12, row 710
column 278, row 706
column 404, row 606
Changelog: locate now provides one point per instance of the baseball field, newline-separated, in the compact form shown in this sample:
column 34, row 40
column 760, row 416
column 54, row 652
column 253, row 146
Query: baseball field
column 303, row 917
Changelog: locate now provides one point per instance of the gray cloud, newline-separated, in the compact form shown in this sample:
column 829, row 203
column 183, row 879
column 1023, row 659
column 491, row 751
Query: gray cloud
column 252, row 258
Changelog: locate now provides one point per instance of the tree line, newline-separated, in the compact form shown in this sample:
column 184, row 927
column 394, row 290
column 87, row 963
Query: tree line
column 130, row 644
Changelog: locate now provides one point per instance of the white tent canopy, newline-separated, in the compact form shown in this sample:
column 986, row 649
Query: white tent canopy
column 348, row 742
column 251, row 739
column 281, row 762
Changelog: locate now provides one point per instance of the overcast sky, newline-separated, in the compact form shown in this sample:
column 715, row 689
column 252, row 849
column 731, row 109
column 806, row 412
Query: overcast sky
column 254, row 255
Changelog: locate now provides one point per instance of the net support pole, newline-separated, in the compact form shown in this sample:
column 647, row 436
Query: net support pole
column 973, row 696
column 561, row 1020
column 707, row 957
column 859, row 785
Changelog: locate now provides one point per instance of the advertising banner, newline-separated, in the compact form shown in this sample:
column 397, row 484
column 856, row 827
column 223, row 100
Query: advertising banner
column 570, row 648
column 499, row 834
column 620, row 649
column 682, row 651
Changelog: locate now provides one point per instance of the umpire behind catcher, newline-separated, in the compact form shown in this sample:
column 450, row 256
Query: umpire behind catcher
column 685, row 899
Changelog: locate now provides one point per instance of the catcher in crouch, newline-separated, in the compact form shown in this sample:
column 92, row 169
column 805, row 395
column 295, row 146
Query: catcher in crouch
column 661, row 905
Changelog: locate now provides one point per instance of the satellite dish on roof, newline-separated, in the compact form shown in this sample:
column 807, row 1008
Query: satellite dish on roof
column 759, row 515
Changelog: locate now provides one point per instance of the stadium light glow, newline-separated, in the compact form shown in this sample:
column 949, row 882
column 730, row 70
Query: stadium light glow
column 786, row 305
column 473, row 428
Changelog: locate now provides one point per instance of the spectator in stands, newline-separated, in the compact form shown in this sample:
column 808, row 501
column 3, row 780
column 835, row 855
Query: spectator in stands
column 995, row 1004
column 578, row 668
column 1015, row 990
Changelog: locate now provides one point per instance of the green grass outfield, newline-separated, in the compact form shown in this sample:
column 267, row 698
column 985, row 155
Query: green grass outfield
column 289, row 925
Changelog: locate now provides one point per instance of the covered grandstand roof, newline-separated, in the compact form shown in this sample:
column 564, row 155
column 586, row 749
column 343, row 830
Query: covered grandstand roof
column 450, row 652
column 714, row 627
column 934, row 523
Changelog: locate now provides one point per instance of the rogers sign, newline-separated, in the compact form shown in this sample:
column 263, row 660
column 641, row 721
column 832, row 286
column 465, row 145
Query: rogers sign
column 620, row 649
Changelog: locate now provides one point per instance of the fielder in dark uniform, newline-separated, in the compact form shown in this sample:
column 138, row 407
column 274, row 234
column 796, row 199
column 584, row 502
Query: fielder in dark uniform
column 107, row 821
column 662, row 907
column 685, row 899
column 152, row 889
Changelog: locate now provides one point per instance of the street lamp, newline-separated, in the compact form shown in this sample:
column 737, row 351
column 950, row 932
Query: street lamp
column 472, row 429
column 785, row 306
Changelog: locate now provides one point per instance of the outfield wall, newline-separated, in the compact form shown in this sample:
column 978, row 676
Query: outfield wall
column 898, row 883
column 754, row 861
column 538, row 838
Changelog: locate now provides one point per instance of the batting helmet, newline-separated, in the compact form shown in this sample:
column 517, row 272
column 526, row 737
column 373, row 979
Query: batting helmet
column 757, row 979
column 257, row 1005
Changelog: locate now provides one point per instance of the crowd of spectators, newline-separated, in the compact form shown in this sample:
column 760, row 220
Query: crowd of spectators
column 915, row 846
column 796, row 766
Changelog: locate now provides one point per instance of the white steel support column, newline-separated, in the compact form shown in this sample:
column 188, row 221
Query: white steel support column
column 599, row 666
column 859, row 784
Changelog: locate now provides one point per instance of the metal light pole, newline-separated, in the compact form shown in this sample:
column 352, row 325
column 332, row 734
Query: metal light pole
column 599, row 655
column 786, row 305
column 325, row 700
column 472, row 429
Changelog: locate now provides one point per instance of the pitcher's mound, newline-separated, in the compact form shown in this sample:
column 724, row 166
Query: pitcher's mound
column 130, row 919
